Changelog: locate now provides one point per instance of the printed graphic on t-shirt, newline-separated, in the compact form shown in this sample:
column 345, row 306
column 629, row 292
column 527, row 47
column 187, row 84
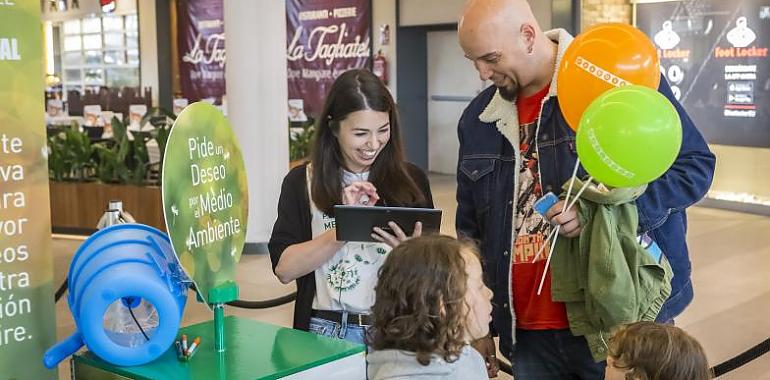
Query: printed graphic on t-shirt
column 328, row 221
column 531, row 228
column 342, row 274
column 533, row 311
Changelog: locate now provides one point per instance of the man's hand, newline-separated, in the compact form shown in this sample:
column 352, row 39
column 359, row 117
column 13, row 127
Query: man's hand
column 568, row 220
column 486, row 347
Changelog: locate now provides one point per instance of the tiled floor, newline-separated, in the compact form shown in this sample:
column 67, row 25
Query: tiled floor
column 731, row 262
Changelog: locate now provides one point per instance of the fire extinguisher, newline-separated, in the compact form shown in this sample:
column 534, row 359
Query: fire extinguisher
column 380, row 67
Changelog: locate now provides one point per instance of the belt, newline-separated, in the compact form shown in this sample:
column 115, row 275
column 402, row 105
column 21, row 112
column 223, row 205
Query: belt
column 336, row 316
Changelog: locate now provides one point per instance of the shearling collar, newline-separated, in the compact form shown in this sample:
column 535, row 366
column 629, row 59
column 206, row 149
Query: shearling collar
column 504, row 112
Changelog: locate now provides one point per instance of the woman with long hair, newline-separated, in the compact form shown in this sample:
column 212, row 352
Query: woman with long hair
column 357, row 159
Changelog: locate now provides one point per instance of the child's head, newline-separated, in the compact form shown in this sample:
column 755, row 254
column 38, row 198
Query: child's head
column 651, row 351
column 430, row 298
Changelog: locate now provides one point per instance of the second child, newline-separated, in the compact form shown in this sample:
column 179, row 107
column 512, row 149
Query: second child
column 431, row 302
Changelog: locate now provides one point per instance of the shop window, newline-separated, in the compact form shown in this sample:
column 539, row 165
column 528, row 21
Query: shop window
column 92, row 41
column 72, row 59
column 72, row 27
column 72, row 43
column 92, row 25
column 93, row 58
column 114, row 58
column 112, row 23
column 99, row 51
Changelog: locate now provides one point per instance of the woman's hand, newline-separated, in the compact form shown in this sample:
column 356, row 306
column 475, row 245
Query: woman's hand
column 360, row 193
column 395, row 235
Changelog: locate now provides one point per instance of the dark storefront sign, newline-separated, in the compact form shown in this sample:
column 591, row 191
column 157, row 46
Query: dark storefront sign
column 714, row 54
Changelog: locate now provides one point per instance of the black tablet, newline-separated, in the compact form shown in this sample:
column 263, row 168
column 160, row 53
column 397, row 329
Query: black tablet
column 355, row 223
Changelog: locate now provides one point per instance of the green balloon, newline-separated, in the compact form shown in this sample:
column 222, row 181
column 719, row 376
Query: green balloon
column 629, row 136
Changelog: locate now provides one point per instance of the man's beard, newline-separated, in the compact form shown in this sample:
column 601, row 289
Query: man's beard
column 508, row 94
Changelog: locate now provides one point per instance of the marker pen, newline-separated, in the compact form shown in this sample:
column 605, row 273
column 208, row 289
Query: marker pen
column 179, row 351
column 193, row 346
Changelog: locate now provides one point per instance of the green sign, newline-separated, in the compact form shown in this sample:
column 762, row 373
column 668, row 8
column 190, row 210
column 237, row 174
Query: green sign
column 205, row 196
column 27, row 324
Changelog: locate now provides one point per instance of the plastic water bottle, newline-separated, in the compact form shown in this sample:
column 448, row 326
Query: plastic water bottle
column 119, row 324
column 127, row 330
column 114, row 215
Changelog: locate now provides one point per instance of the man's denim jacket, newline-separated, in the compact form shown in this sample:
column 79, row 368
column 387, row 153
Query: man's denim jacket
column 488, row 169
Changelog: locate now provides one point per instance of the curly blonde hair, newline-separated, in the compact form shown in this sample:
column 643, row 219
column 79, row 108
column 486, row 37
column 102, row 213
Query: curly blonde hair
column 420, row 299
column 652, row 351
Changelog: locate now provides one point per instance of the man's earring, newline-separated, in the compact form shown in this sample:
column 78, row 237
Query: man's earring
column 530, row 51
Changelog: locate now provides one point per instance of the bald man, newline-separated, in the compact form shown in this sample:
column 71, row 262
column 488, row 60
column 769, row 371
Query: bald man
column 514, row 147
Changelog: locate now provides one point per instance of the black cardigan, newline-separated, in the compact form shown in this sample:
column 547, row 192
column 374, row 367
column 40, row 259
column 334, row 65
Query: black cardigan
column 293, row 227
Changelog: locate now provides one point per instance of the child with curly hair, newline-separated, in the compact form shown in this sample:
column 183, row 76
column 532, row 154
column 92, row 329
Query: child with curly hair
column 652, row 351
column 431, row 302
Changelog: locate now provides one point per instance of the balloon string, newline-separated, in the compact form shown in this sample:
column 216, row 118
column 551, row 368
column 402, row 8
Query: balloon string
column 555, row 236
column 548, row 261
column 582, row 189
column 564, row 207
column 542, row 247
column 571, row 184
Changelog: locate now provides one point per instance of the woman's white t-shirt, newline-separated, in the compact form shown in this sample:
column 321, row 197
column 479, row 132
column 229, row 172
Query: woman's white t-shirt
column 347, row 280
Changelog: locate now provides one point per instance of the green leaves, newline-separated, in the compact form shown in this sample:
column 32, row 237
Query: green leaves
column 124, row 159
column 70, row 155
column 301, row 139
column 162, row 119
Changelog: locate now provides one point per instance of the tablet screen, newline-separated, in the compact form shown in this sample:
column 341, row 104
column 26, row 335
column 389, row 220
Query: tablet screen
column 356, row 223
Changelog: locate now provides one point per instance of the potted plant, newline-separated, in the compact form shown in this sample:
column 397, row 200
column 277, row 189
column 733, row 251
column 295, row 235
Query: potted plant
column 85, row 175
column 300, row 141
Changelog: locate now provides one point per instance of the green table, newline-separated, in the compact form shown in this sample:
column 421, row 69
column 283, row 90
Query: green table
column 255, row 350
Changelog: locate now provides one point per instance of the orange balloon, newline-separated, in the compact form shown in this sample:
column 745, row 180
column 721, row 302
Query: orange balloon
column 603, row 57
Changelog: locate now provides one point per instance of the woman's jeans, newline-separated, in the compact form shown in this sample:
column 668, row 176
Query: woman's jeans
column 344, row 330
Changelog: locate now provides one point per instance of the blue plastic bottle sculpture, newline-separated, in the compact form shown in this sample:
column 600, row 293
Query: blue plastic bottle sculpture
column 127, row 293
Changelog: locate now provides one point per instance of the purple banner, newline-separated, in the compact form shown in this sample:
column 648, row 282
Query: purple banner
column 201, row 41
column 324, row 39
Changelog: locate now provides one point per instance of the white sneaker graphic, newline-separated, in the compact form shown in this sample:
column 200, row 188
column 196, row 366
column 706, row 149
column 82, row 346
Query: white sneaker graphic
column 741, row 36
column 667, row 38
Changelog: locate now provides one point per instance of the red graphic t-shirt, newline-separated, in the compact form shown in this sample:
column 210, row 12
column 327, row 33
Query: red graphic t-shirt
column 533, row 312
